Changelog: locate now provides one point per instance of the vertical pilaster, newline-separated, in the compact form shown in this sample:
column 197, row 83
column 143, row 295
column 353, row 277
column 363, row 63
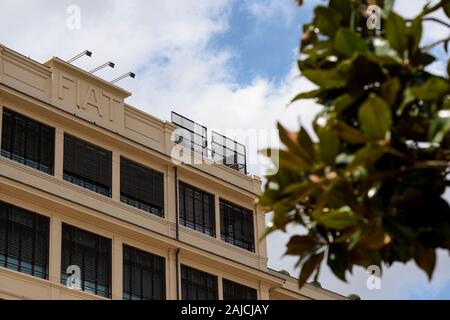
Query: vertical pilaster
column 117, row 268
column 116, row 176
column 1, row 121
column 170, row 198
column 55, row 254
column 264, row 292
column 59, row 152
column 220, row 287
column 217, row 215
column 171, row 275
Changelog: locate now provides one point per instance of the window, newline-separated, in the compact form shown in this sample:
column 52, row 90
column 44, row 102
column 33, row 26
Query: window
column 87, row 165
column 141, row 187
column 24, row 241
column 92, row 254
column 236, row 225
column 143, row 275
column 236, row 291
column 197, row 285
column 197, row 209
column 28, row 142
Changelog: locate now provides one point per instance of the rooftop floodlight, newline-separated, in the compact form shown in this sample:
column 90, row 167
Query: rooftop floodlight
column 84, row 53
column 108, row 64
column 129, row 74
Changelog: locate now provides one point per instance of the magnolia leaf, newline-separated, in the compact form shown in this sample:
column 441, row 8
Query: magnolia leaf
column 366, row 156
column 306, row 95
column 337, row 219
column 432, row 89
column 308, row 268
column 298, row 245
column 327, row 20
column 375, row 118
column 348, row 42
column 350, row 134
column 396, row 33
column 329, row 145
column 307, row 144
column 290, row 141
column 390, row 90
column 425, row 258
column 327, row 79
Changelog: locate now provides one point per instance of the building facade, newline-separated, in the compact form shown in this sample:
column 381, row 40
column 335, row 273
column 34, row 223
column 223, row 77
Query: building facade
column 93, row 207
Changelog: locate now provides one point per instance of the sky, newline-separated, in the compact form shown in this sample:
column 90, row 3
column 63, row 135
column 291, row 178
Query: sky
column 227, row 64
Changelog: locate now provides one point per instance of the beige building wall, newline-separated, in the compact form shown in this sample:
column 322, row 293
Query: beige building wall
column 80, row 104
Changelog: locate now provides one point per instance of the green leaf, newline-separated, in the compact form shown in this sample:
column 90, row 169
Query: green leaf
column 326, row 79
column 415, row 35
column 432, row 89
column 327, row 20
column 375, row 118
column 366, row 156
column 396, row 33
column 306, row 95
column 343, row 102
column 390, row 90
column 337, row 219
column 291, row 143
column 292, row 162
column 447, row 9
column 329, row 145
column 348, row 42
column 307, row 144
column 350, row 134
column 308, row 268
column 425, row 258
column 298, row 245
column 337, row 261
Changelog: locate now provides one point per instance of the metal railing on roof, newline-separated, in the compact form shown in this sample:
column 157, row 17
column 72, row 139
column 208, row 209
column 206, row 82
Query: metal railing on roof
column 194, row 137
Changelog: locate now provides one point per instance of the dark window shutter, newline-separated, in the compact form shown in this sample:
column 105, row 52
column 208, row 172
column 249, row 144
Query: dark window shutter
column 27, row 141
column 198, row 285
column 236, row 225
column 87, row 165
column 92, row 254
column 7, row 127
column 24, row 241
column 142, row 187
column 143, row 275
column 196, row 209
column 237, row 291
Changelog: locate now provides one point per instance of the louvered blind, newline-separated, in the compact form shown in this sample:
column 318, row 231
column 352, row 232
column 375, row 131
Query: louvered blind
column 27, row 141
column 143, row 275
column 198, row 285
column 87, row 165
column 141, row 187
column 236, row 225
column 237, row 291
column 92, row 254
column 24, row 241
column 197, row 209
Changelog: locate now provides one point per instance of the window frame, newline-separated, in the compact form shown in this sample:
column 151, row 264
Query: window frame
column 40, row 230
column 102, row 249
column 151, row 270
column 185, row 201
column 187, row 283
column 43, row 146
column 134, row 200
column 77, row 178
column 245, row 222
column 246, row 294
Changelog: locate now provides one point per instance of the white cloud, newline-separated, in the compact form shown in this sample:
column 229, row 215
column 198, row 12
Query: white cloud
column 264, row 10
